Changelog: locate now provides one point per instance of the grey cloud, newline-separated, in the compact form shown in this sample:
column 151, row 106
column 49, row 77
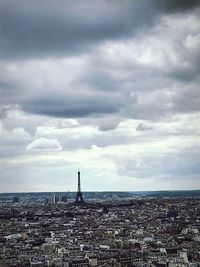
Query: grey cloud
column 174, row 165
column 101, row 62
column 185, row 75
column 187, row 98
column 36, row 30
column 149, row 98
column 142, row 127
column 100, row 80
column 35, row 176
column 77, row 106
column 50, row 97
column 157, row 104
column 43, row 28
column 108, row 125
column 12, row 143
column 176, row 5
column 103, row 123
column 14, row 117
column 181, row 164
column 100, row 140
column 53, row 28
column 4, row 109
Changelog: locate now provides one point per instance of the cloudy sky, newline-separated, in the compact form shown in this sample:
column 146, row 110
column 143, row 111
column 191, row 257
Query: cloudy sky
column 110, row 87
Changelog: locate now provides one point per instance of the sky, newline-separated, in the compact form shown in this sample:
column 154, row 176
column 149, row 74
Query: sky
column 110, row 87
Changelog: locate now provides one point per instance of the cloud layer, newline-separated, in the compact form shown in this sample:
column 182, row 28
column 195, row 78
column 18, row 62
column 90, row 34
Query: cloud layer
column 103, row 87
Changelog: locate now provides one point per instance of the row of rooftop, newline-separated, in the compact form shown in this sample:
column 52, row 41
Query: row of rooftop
column 149, row 232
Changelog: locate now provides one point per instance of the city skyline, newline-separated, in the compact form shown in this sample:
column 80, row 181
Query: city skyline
column 110, row 87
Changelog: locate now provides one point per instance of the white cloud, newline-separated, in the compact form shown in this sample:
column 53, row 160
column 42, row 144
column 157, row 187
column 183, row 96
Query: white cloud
column 44, row 144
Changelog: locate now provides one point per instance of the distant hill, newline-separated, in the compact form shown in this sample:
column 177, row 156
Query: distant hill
column 106, row 195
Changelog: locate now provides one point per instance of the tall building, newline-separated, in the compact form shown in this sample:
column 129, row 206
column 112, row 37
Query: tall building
column 79, row 197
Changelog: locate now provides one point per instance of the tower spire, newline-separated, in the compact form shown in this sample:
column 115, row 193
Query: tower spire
column 79, row 197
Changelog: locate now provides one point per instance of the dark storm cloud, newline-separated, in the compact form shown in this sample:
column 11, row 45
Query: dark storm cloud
column 176, row 5
column 83, row 97
column 38, row 28
column 45, row 28
column 73, row 107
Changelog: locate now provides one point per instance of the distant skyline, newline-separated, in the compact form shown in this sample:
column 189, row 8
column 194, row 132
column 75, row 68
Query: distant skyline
column 107, row 87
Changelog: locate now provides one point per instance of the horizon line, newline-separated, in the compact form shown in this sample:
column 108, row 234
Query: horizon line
column 90, row 191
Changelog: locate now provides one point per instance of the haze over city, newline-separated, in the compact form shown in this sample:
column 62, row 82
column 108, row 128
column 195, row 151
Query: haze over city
column 107, row 87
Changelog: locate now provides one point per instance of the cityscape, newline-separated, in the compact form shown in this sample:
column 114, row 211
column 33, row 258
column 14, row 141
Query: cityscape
column 123, row 230
column 99, row 133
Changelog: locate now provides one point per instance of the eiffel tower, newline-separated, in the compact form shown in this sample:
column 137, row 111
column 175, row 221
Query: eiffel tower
column 79, row 197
